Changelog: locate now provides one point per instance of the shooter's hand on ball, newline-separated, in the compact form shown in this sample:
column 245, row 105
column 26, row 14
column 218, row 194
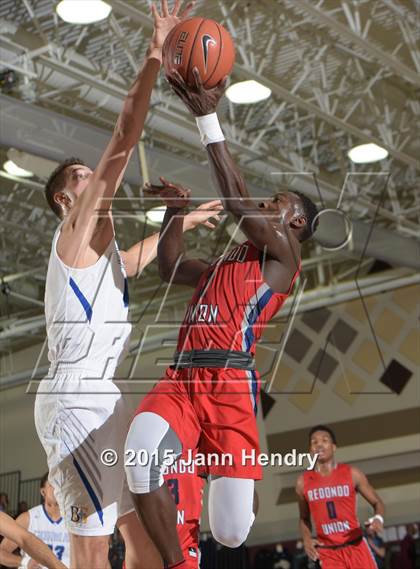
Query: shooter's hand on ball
column 164, row 23
column 197, row 99
column 176, row 196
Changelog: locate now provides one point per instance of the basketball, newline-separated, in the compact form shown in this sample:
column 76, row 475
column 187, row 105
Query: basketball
column 201, row 43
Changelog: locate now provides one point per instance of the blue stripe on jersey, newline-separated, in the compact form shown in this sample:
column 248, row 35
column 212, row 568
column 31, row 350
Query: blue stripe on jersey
column 83, row 300
column 126, row 297
column 90, row 491
column 253, row 317
column 254, row 390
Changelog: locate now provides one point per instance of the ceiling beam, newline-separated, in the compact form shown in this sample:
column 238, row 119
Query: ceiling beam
column 244, row 72
column 344, row 31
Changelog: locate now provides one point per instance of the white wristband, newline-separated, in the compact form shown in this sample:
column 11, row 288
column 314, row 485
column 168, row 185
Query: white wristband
column 209, row 128
column 377, row 517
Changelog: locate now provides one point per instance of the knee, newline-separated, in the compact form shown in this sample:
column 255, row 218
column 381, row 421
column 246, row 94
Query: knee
column 230, row 535
column 89, row 551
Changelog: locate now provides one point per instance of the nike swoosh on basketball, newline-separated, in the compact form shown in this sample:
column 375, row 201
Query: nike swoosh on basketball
column 206, row 41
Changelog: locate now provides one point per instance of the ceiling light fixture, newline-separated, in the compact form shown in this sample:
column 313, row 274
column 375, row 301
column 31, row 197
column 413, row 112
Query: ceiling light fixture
column 247, row 92
column 13, row 169
column 156, row 214
column 86, row 12
column 366, row 153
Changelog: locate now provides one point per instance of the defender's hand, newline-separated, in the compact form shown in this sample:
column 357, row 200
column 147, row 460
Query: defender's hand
column 197, row 99
column 172, row 195
column 203, row 214
column 166, row 21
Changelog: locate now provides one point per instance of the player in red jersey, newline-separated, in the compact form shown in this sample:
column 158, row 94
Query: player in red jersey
column 328, row 496
column 208, row 398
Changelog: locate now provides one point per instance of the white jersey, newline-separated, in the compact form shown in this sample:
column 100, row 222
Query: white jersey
column 53, row 534
column 86, row 313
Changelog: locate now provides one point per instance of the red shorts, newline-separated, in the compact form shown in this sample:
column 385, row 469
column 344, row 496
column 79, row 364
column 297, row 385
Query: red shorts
column 356, row 556
column 212, row 410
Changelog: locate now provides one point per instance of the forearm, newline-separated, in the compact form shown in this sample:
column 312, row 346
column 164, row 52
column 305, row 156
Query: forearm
column 228, row 178
column 171, row 242
column 379, row 508
column 305, row 527
column 141, row 254
column 9, row 559
column 131, row 120
column 40, row 552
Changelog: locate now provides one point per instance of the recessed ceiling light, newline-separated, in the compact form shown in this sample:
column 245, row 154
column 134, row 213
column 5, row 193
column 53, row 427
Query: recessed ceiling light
column 83, row 11
column 14, row 170
column 365, row 153
column 156, row 214
column 247, row 92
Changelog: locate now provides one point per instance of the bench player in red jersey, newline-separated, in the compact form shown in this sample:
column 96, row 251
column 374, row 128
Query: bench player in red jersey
column 208, row 398
column 328, row 496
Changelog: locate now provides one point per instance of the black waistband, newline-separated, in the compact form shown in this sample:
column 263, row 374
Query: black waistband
column 352, row 542
column 214, row 358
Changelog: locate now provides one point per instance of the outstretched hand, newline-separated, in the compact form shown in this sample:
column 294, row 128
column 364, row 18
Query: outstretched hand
column 177, row 196
column 165, row 21
column 197, row 99
column 172, row 195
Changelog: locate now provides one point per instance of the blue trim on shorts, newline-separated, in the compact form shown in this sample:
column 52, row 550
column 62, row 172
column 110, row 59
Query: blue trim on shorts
column 90, row 491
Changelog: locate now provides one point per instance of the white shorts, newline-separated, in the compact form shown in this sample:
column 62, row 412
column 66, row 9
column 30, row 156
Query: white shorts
column 76, row 420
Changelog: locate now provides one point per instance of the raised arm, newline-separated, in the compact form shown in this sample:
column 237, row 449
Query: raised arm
column 173, row 265
column 104, row 181
column 29, row 543
column 261, row 227
column 137, row 257
column 305, row 524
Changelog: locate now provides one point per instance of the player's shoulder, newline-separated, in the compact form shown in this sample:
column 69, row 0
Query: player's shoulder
column 24, row 519
column 300, row 483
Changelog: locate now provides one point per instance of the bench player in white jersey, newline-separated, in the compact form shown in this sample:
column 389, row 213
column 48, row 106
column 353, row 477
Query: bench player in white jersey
column 46, row 523
column 79, row 411
column 40, row 552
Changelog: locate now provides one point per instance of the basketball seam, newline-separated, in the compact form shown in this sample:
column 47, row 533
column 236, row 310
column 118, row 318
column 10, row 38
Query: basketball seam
column 218, row 57
column 192, row 48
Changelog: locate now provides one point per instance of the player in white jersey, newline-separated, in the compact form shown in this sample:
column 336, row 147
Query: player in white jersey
column 79, row 411
column 40, row 552
column 45, row 522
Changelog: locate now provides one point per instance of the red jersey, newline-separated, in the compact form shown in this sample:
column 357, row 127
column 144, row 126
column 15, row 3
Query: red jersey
column 187, row 491
column 332, row 503
column 231, row 304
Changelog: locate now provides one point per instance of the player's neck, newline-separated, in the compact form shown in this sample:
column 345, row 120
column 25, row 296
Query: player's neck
column 326, row 468
column 53, row 511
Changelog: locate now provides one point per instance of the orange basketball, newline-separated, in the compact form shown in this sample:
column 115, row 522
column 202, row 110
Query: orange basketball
column 200, row 43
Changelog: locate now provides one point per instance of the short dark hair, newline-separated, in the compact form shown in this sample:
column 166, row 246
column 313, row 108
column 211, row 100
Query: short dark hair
column 43, row 480
column 311, row 212
column 57, row 181
column 323, row 428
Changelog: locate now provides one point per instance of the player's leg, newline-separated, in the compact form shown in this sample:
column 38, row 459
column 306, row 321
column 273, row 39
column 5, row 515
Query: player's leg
column 89, row 551
column 140, row 551
column 360, row 555
column 231, row 504
column 152, row 499
column 333, row 559
column 73, row 432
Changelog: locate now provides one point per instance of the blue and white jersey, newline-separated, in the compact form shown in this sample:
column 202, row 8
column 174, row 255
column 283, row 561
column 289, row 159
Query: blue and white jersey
column 53, row 534
column 87, row 313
